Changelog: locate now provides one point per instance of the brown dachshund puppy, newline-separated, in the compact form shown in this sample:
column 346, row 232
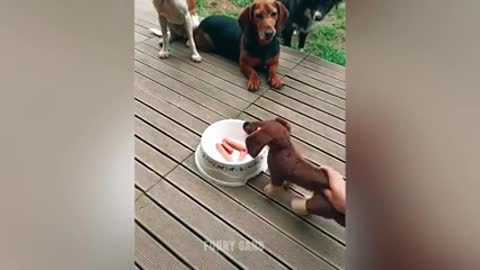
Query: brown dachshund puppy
column 286, row 164
column 260, row 47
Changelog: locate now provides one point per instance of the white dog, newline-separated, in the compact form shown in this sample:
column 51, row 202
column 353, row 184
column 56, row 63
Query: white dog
column 181, row 19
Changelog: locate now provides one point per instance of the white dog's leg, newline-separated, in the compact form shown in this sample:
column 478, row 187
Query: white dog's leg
column 164, row 51
column 188, row 25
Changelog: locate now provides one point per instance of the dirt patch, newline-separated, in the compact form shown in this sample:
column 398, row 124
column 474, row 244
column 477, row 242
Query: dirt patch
column 221, row 6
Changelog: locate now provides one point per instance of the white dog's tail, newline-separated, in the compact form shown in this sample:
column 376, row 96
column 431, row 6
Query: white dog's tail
column 156, row 32
column 195, row 21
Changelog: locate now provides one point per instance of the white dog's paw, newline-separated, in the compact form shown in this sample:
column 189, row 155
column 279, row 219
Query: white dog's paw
column 163, row 54
column 299, row 206
column 272, row 190
column 196, row 58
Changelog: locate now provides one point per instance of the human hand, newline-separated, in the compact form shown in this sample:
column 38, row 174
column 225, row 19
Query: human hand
column 336, row 194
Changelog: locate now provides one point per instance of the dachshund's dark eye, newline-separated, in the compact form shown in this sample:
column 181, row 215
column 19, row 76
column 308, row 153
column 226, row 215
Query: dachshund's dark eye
column 274, row 14
column 259, row 16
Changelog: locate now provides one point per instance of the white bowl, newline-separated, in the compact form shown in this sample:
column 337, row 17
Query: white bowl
column 215, row 168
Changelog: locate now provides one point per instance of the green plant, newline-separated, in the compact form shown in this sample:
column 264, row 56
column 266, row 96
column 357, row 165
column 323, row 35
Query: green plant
column 327, row 40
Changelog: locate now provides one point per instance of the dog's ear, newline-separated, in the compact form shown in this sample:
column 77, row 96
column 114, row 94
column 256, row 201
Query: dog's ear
column 246, row 18
column 257, row 141
column 250, row 127
column 284, row 123
column 282, row 16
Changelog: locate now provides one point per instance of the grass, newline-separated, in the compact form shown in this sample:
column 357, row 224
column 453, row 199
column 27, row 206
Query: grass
column 326, row 39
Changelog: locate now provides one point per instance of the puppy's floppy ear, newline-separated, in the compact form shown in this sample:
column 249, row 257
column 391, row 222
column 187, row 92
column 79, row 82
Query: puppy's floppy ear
column 284, row 123
column 282, row 16
column 246, row 18
column 250, row 127
column 256, row 141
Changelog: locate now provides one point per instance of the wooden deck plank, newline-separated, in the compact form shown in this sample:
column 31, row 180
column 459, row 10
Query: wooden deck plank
column 285, row 221
column 150, row 255
column 161, row 141
column 322, row 69
column 322, row 78
column 312, row 112
column 144, row 177
column 290, row 252
column 223, row 63
column 320, row 86
column 146, row 24
column 184, row 97
column 172, row 112
column 293, row 55
column 318, row 156
column 320, row 128
column 325, row 63
column 188, row 85
column 235, row 77
column 174, row 130
column 312, row 102
column 211, row 227
column 153, row 158
column 142, row 31
column 187, row 66
column 179, row 239
column 315, row 93
column 139, row 37
column 138, row 193
column 287, row 64
column 170, row 103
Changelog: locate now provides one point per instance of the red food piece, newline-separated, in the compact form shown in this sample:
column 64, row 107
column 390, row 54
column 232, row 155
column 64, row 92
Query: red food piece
column 228, row 148
column 234, row 145
column 223, row 152
column 242, row 156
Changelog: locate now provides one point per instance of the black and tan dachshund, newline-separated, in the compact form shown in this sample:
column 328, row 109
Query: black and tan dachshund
column 251, row 40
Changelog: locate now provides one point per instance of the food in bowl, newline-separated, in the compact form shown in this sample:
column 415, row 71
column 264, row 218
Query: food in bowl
column 234, row 169
column 229, row 147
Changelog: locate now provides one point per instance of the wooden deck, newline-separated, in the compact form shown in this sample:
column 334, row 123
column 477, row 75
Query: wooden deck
column 177, row 212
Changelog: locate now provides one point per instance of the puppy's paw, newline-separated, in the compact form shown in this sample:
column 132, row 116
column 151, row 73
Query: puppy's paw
column 299, row 206
column 275, row 82
column 253, row 84
column 164, row 54
column 272, row 190
column 196, row 58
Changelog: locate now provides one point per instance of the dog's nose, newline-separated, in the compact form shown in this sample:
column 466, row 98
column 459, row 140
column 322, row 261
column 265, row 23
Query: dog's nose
column 269, row 34
column 245, row 124
column 317, row 16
